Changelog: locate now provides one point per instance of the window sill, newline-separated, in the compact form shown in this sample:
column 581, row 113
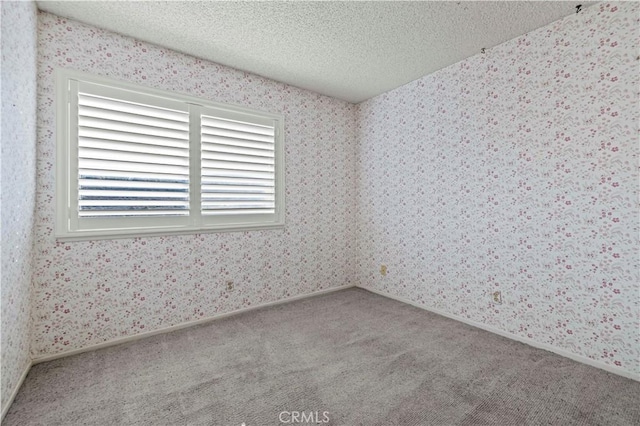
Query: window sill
column 142, row 233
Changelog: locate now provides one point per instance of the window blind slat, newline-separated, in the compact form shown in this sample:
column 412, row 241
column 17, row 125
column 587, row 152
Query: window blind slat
column 132, row 117
column 232, row 165
column 235, row 149
column 227, row 180
column 232, row 211
column 237, row 189
column 132, row 193
column 131, row 128
column 221, row 205
column 210, row 139
column 89, row 163
column 130, row 176
column 236, row 158
column 110, row 135
column 237, row 197
column 245, row 136
column 132, row 147
column 219, row 123
column 85, row 99
column 147, row 185
column 131, row 157
column 132, row 204
column 133, row 213
column 212, row 173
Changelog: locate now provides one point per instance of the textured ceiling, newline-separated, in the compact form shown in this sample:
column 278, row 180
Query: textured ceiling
column 348, row 50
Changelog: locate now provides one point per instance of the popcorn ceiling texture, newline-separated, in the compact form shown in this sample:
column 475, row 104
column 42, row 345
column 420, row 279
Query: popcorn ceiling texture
column 515, row 171
column 19, row 22
column 352, row 50
column 91, row 292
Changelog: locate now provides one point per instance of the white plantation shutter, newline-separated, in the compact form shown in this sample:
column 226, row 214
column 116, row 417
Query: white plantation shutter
column 133, row 157
column 238, row 166
column 134, row 161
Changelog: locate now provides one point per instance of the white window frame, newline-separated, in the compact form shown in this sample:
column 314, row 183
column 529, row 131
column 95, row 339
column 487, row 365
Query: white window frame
column 69, row 227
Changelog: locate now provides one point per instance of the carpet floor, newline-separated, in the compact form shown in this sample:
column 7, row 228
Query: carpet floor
column 345, row 358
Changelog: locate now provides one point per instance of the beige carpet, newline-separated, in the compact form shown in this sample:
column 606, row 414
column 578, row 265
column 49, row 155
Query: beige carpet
column 350, row 357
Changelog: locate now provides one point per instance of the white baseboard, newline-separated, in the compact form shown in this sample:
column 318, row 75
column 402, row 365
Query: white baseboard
column 579, row 358
column 16, row 388
column 120, row 340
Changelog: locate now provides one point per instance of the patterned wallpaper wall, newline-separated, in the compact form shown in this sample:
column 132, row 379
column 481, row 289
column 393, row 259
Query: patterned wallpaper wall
column 91, row 292
column 515, row 171
column 19, row 23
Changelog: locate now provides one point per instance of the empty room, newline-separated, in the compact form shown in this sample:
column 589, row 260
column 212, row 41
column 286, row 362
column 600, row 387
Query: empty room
column 340, row 213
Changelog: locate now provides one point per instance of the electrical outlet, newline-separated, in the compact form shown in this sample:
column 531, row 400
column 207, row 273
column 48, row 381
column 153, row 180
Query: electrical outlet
column 229, row 285
column 383, row 270
column 497, row 297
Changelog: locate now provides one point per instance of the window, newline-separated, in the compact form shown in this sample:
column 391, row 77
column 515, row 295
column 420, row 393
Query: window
column 134, row 161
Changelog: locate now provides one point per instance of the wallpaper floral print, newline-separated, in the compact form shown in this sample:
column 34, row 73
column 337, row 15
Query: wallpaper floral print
column 19, row 23
column 515, row 171
column 95, row 291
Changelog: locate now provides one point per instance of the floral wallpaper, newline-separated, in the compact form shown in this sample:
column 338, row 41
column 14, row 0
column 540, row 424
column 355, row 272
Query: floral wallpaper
column 19, row 20
column 95, row 291
column 512, row 171
column 515, row 171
